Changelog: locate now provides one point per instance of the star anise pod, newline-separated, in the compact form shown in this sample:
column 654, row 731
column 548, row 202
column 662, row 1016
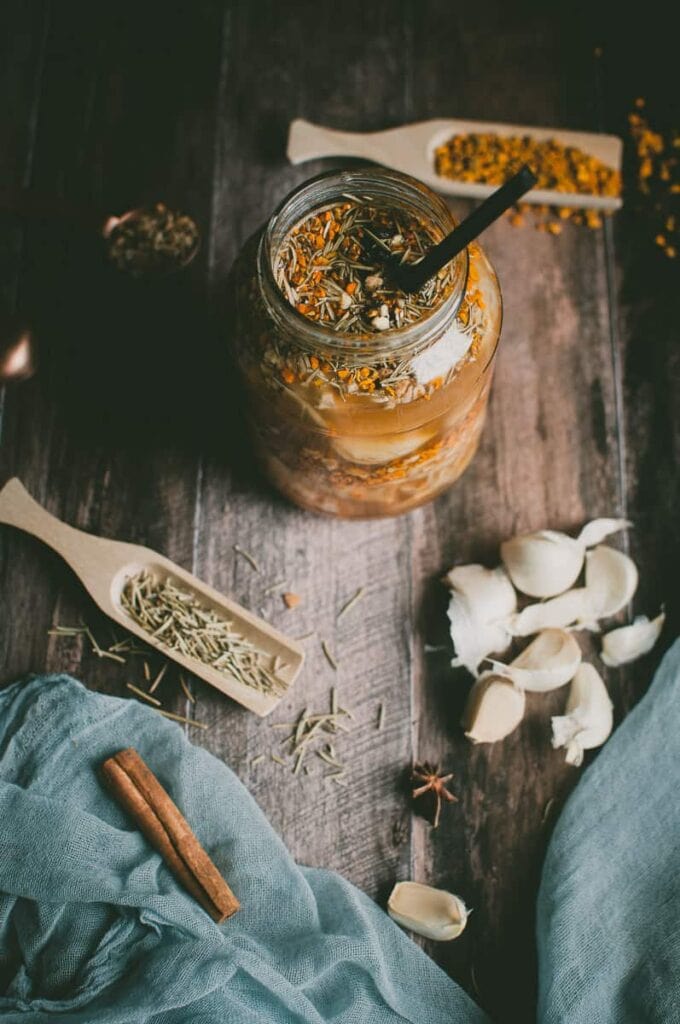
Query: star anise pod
column 434, row 783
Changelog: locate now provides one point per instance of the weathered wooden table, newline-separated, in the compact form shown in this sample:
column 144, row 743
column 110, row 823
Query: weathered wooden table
column 128, row 430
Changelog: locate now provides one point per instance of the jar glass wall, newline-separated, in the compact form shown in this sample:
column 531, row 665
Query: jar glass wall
column 362, row 406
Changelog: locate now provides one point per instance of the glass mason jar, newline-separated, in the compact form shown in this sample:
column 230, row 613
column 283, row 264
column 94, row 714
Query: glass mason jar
column 373, row 423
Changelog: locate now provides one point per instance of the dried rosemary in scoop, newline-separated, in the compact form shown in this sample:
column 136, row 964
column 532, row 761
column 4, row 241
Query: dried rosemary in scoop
column 178, row 620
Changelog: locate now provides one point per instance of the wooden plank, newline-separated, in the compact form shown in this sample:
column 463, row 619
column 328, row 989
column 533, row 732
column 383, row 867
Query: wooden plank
column 23, row 28
column 645, row 343
column 549, row 457
column 95, row 436
column 361, row 830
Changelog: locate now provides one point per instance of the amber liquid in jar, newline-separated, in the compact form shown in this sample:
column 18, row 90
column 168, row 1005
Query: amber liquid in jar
column 363, row 401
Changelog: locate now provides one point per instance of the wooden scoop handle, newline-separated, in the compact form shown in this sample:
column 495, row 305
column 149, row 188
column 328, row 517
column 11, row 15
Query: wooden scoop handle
column 18, row 508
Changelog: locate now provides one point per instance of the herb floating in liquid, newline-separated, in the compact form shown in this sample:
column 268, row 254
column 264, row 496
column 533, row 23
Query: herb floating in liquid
column 331, row 267
column 176, row 619
column 152, row 241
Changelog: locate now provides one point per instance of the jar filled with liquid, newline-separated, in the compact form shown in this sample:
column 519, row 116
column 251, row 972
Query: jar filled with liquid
column 363, row 400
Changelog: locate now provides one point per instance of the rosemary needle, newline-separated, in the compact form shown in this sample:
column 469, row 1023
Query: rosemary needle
column 248, row 557
column 185, row 689
column 381, row 717
column 329, row 657
column 181, row 718
column 274, row 586
column 157, row 681
column 141, row 693
column 350, row 604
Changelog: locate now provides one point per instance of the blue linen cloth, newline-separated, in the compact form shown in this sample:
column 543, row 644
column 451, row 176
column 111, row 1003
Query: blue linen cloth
column 608, row 922
column 94, row 928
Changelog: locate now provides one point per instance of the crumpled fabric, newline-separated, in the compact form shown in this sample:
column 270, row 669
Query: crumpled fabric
column 608, row 921
column 94, row 928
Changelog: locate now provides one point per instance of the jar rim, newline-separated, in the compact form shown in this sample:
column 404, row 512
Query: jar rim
column 310, row 196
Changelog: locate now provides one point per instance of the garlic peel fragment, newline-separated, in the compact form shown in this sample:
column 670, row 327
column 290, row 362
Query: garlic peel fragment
column 494, row 709
column 588, row 719
column 434, row 913
column 481, row 602
column 627, row 643
column 549, row 661
column 571, row 609
column 596, row 530
column 611, row 581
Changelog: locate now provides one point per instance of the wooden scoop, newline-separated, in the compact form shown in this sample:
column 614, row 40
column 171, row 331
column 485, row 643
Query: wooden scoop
column 411, row 149
column 104, row 566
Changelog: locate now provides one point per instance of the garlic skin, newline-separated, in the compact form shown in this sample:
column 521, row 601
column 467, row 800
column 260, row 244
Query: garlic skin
column 547, row 562
column 482, row 601
column 596, row 530
column 433, row 913
column 611, row 581
column 494, row 709
column 588, row 719
column 571, row 609
column 626, row 644
column 549, row 662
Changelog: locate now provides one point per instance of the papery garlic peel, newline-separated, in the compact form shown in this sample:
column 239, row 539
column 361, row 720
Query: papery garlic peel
column 550, row 661
column 588, row 719
column 494, row 709
column 625, row 644
column 481, row 602
column 433, row 913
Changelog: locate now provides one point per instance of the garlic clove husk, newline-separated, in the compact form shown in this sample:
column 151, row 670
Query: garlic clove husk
column 596, row 530
column 549, row 662
column 543, row 564
column 570, row 609
column 588, row 719
column 494, row 709
column 433, row 913
column 611, row 581
column 488, row 592
column 481, row 602
column 627, row 643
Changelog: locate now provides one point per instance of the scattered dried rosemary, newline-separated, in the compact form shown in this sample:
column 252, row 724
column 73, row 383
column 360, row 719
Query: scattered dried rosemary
column 152, row 241
column 309, row 735
column 331, row 267
column 175, row 618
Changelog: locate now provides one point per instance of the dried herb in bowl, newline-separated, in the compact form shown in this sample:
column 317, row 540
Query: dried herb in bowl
column 151, row 241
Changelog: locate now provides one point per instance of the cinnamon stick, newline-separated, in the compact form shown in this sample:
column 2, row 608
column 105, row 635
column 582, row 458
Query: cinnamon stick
column 139, row 792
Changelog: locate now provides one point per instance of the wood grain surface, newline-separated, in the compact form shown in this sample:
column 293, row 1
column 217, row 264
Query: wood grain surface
column 131, row 429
